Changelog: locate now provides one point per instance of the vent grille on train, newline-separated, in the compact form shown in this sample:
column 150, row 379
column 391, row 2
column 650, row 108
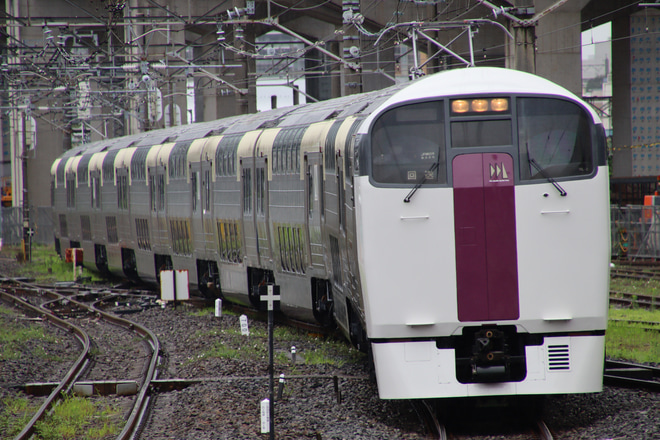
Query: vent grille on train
column 559, row 357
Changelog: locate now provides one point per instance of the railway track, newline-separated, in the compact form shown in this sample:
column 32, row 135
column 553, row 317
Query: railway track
column 58, row 309
column 512, row 419
column 428, row 415
column 168, row 389
column 631, row 375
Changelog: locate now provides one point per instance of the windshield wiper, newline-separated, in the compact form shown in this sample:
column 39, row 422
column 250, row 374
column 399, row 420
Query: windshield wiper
column 421, row 182
column 562, row 191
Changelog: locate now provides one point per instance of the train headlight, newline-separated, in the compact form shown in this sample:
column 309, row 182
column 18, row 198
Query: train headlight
column 479, row 105
column 499, row 104
column 460, row 106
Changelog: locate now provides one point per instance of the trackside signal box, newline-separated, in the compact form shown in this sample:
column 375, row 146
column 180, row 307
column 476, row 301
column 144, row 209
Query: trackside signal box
column 74, row 255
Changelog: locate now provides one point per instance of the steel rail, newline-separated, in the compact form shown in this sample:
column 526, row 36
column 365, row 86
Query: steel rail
column 430, row 419
column 639, row 300
column 70, row 376
column 631, row 375
column 544, row 430
column 139, row 407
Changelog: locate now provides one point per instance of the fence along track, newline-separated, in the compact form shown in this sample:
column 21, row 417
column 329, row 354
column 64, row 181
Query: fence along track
column 141, row 402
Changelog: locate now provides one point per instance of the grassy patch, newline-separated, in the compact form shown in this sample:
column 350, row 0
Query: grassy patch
column 632, row 341
column 629, row 285
column 231, row 344
column 14, row 337
column 75, row 417
column 79, row 417
column 16, row 412
column 46, row 265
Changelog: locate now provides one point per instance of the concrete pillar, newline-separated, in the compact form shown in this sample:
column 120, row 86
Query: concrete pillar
column 622, row 159
column 351, row 79
column 521, row 51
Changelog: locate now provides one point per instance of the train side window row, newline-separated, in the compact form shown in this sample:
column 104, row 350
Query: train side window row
column 83, row 169
column 225, row 155
column 109, row 167
column 122, row 190
column 138, row 165
column 178, row 160
column 181, row 239
column 111, row 228
column 229, row 241
column 286, row 150
column 86, row 227
column 291, row 243
column 142, row 232
column 156, row 192
column 329, row 152
column 71, row 190
column 64, row 227
column 96, row 191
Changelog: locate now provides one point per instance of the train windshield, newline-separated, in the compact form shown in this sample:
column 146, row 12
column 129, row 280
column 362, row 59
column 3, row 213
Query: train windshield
column 554, row 139
column 408, row 145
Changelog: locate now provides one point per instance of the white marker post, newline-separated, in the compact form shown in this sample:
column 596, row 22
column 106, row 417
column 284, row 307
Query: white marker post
column 273, row 301
column 265, row 416
column 244, row 325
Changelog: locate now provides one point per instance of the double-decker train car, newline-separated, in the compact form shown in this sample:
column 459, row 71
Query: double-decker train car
column 457, row 226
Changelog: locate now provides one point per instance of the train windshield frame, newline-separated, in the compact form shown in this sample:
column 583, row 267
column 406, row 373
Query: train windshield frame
column 409, row 145
column 554, row 139
column 548, row 137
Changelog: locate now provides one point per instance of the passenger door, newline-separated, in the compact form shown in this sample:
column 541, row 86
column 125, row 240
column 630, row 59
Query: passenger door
column 254, row 175
column 314, row 207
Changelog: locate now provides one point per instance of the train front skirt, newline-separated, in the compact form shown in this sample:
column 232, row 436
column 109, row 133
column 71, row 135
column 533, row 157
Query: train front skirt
column 418, row 369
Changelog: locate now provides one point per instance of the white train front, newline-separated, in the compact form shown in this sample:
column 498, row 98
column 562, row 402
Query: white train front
column 457, row 226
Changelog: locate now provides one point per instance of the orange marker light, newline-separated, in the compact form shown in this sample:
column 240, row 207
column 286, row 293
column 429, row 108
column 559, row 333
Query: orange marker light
column 460, row 106
column 479, row 105
column 499, row 104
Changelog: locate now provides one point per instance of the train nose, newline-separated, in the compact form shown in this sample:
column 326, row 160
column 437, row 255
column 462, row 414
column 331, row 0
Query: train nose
column 485, row 231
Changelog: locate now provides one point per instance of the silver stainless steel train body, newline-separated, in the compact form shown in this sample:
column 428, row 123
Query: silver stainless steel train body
column 455, row 226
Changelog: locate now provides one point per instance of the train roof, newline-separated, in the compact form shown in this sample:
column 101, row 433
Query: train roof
column 477, row 81
column 465, row 81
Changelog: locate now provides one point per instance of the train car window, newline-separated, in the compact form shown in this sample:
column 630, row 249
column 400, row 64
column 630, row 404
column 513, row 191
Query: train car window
column 61, row 170
column 225, row 155
column 71, row 190
column 554, row 139
column 177, row 160
column 330, row 158
column 122, row 189
column 96, row 190
column 285, row 148
column 152, row 193
column 86, row 227
column 341, row 198
column 247, row 191
column 260, row 190
column 83, row 169
column 408, row 145
column 109, row 167
column 111, row 229
column 138, row 165
column 64, row 228
column 194, row 185
column 480, row 133
column 161, row 192
column 207, row 191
